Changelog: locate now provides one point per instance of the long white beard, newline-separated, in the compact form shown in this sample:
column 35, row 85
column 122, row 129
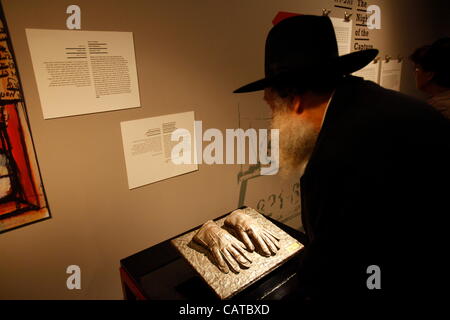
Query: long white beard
column 297, row 140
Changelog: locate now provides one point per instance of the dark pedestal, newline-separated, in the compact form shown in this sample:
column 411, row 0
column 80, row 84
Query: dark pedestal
column 160, row 273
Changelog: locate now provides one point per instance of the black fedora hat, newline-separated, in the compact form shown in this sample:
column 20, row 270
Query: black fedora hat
column 305, row 46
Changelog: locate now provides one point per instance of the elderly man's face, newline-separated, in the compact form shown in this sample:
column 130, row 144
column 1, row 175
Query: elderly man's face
column 297, row 134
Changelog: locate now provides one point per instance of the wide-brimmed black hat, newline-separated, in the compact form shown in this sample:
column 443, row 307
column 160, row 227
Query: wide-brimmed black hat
column 302, row 47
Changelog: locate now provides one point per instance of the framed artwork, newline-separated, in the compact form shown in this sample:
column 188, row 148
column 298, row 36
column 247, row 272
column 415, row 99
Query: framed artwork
column 22, row 196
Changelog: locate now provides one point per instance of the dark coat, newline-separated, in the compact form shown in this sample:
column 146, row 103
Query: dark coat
column 376, row 192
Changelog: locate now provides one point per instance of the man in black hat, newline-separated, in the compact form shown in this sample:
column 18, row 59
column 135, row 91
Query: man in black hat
column 374, row 165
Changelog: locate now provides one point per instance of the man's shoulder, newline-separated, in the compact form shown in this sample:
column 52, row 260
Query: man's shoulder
column 365, row 119
column 358, row 90
column 368, row 103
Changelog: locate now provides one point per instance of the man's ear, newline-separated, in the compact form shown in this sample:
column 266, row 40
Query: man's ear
column 428, row 76
column 297, row 106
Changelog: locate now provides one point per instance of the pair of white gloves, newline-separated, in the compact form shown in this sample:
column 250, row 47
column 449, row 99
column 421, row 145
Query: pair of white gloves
column 227, row 250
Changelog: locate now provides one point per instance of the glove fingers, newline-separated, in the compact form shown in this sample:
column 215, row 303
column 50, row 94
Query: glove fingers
column 269, row 243
column 273, row 235
column 239, row 248
column 219, row 259
column 262, row 245
column 247, row 241
column 238, row 257
column 233, row 264
column 273, row 240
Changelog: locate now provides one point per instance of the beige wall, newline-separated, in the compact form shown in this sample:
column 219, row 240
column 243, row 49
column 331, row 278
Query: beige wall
column 190, row 56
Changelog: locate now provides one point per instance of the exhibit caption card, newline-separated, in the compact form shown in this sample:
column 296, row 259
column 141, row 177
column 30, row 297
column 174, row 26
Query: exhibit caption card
column 82, row 72
column 370, row 72
column 391, row 73
column 148, row 146
column 343, row 31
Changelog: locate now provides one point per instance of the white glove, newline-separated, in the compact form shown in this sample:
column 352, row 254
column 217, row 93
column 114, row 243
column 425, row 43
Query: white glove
column 223, row 246
column 248, row 228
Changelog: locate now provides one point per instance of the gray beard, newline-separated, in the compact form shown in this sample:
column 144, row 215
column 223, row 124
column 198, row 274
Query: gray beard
column 297, row 140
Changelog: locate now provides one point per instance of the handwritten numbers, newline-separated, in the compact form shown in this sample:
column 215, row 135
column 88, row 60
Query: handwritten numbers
column 277, row 204
column 272, row 199
column 295, row 194
column 261, row 205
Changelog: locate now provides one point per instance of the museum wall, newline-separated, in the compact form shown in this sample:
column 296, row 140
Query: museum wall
column 190, row 56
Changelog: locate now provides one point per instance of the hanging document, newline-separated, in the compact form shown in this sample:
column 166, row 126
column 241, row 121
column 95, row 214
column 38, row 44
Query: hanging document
column 391, row 72
column 343, row 31
column 370, row 72
column 148, row 147
column 81, row 72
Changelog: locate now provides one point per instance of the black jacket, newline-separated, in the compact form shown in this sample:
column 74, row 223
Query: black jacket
column 376, row 192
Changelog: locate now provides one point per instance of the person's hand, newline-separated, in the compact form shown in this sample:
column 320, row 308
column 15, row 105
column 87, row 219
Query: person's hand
column 248, row 228
column 223, row 246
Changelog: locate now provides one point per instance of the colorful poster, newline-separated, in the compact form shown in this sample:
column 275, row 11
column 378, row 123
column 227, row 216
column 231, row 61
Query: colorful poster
column 9, row 84
column 22, row 196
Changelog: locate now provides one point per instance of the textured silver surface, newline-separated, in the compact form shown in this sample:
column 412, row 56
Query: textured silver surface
column 227, row 285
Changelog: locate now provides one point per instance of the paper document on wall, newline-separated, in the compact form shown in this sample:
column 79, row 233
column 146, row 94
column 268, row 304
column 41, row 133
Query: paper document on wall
column 343, row 31
column 148, row 145
column 81, row 72
column 370, row 72
column 391, row 73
